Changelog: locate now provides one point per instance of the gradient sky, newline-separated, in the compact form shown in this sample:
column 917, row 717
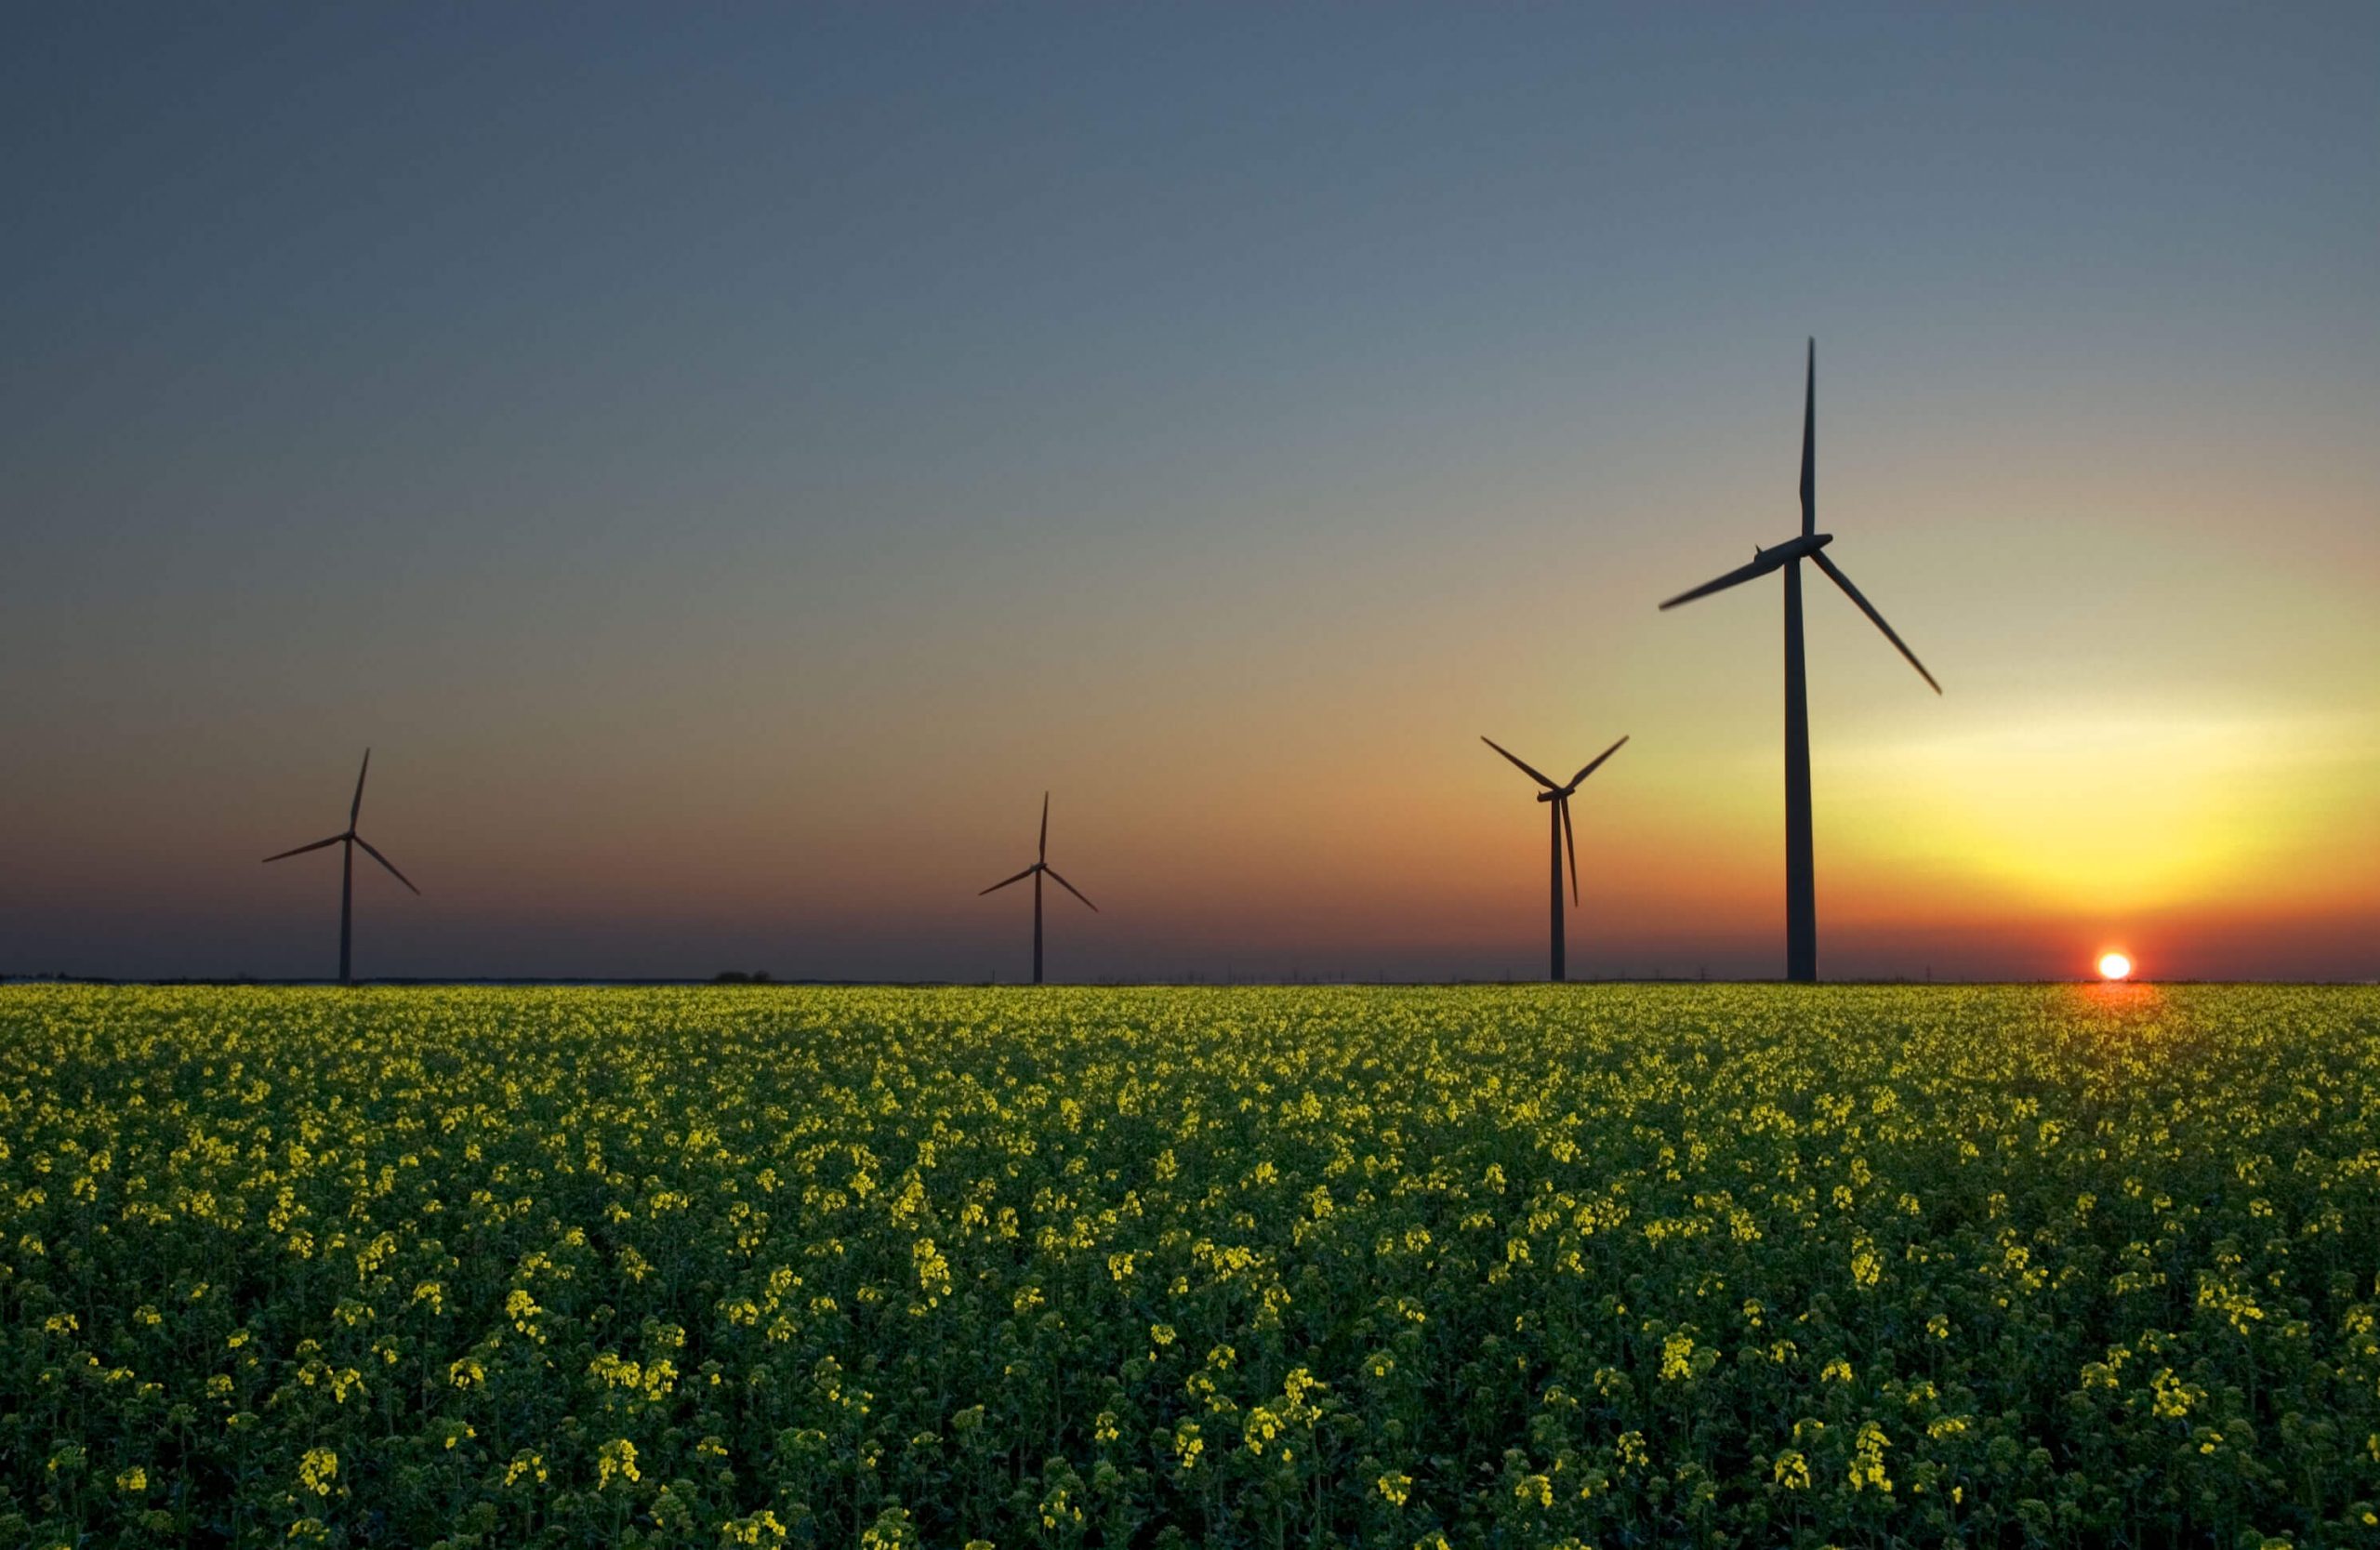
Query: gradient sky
column 728, row 463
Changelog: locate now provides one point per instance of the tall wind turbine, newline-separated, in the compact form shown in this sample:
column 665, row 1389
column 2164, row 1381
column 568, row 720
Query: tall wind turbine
column 350, row 840
column 1801, row 886
column 1041, row 865
column 1558, row 799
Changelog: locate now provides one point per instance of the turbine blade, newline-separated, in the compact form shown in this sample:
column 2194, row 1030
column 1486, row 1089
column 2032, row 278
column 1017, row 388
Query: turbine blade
column 1006, row 880
column 1516, row 759
column 357, row 805
column 1593, row 765
column 386, row 861
column 303, row 849
column 1043, row 854
column 1878, row 619
column 1570, row 844
column 1761, row 565
column 1069, row 888
column 1810, row 445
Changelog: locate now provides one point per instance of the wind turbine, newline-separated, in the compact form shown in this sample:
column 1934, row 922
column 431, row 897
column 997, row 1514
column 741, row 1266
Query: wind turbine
column 1558, row 798
column 350, row 839
column 1801, row 887
column 1040, row 866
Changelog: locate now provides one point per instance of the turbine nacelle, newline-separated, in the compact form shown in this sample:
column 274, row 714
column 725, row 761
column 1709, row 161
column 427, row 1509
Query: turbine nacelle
column 1795, row 549
column 1766, row 561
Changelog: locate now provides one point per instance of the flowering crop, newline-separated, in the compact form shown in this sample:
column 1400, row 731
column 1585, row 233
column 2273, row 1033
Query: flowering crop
column 1531, row 1266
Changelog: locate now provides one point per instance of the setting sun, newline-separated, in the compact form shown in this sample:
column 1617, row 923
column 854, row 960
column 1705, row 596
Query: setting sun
column 2115, row 966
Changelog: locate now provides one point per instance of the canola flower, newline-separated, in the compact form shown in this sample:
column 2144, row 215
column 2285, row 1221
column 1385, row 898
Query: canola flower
column 317, row 1471
column 1526, row 1266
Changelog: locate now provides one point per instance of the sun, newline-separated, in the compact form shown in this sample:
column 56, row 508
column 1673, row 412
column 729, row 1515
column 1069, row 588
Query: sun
column 2115, row 966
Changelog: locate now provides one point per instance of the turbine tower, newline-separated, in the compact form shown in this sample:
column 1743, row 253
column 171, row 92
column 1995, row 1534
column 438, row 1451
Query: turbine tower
column 1040, row 866
column 1558, row 798
column 1801, row 886
column 350, row 840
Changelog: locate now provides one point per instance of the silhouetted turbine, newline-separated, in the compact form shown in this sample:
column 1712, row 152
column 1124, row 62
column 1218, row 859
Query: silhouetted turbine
column 1801, row 886
column 1559, row 798
column 1041, row 865
column 350, row 840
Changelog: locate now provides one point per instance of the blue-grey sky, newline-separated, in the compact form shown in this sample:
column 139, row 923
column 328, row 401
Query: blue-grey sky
column 729, row 462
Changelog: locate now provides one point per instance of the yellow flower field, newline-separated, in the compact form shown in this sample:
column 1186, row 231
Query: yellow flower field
column 1494, row 1267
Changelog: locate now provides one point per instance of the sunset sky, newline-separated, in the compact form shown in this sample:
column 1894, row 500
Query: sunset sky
column 728, row 464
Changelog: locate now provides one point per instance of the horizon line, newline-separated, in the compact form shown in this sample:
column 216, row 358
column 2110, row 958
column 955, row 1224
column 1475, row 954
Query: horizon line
column 743, row 982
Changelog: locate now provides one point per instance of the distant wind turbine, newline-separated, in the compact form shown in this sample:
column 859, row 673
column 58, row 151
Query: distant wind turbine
column 350, row 839
column 1801, row 886
column 1558, row 796
column 1040, row 866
